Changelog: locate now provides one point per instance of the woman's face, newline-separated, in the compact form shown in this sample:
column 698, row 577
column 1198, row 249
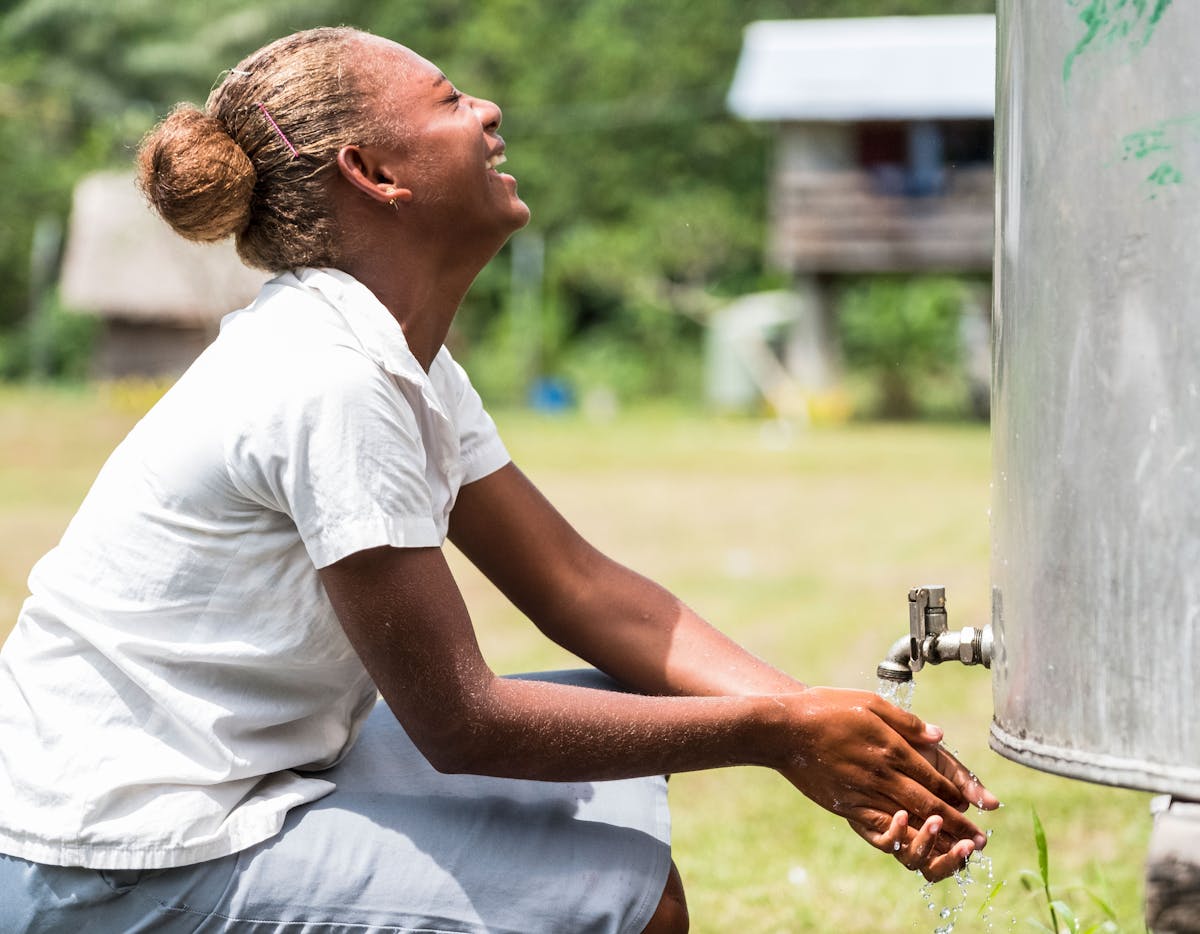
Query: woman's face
column 448, row 147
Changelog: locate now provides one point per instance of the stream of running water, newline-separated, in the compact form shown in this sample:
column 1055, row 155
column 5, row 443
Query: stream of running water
column 948, row 904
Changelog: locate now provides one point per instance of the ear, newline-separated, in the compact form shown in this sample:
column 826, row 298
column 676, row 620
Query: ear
column 368, row 171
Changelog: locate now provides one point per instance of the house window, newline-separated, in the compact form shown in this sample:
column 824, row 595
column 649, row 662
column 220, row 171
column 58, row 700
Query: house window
column 911, row 158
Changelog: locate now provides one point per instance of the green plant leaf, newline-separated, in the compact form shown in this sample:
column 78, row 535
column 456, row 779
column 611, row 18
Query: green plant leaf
column 990, row 895
column 1103, row 905
column 1062, row 910
column 1030, row 880
column 1039, row 838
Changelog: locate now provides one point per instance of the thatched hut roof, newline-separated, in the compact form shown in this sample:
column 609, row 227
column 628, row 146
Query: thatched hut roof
column 123, row 261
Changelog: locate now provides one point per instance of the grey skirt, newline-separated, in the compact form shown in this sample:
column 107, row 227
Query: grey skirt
column 397, row 847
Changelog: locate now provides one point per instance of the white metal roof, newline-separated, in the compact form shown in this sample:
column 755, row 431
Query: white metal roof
column 892, row 67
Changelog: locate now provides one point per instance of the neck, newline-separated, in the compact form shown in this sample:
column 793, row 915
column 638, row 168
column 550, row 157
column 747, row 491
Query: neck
column 420, row 280
column 423, row 303
column 419, row 271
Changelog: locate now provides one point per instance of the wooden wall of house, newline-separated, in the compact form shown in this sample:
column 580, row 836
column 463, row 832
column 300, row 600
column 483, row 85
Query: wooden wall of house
column 846, row 198
column 147, row 350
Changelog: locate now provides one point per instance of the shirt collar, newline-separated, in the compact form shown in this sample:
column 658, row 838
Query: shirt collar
column 380, row 335
column 372, row 324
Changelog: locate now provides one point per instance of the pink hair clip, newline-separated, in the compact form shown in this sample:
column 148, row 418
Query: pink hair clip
column 283, row 136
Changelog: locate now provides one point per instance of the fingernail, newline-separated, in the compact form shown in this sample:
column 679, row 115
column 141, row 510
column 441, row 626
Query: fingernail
column 980, row 841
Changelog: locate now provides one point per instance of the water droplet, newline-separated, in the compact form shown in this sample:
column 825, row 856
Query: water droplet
column 896, row 847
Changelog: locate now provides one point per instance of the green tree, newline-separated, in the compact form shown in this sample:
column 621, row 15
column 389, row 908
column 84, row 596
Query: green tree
column 649, row 197
column 80, row 82
column 902, row 332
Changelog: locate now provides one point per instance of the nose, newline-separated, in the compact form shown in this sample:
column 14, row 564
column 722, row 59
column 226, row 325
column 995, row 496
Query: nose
column 489, row 114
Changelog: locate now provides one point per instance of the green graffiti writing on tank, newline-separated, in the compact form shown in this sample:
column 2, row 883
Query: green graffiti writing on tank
column 1142, row 143
column 1159, row 146
column 1111, row 22
column 1165, row 174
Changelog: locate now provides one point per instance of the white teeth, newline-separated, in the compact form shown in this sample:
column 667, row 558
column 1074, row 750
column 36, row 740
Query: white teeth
column 498, row 159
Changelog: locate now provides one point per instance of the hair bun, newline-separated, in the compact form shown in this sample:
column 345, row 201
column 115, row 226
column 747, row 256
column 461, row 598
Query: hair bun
column 195, row 175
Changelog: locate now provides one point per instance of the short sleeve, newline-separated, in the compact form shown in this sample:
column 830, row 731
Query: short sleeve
column 340, row 452
column 481, row 448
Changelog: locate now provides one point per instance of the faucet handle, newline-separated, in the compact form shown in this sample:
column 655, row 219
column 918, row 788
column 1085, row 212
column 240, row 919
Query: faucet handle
column 926, row 619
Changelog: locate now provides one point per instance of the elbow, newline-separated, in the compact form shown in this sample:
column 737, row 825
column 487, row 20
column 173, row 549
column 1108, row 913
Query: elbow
column 455, row 745
column 451, row 757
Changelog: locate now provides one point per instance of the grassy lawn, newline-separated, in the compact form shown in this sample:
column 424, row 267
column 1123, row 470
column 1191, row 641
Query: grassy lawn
column 800, row 544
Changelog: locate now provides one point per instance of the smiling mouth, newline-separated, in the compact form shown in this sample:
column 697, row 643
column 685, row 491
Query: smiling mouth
column 496, row 160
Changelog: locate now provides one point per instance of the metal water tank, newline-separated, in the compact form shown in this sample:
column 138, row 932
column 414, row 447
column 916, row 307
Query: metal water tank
column 1096, row 396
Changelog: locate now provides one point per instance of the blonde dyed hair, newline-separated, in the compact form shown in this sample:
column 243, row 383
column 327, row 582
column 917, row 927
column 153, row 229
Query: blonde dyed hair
column 230, row 169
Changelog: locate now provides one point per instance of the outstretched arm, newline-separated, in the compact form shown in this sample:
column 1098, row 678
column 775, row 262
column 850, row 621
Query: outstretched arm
column 640, row 634
column 849, row 751
column 615, row 619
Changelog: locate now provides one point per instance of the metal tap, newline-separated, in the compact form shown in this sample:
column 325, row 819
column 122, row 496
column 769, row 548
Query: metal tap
column 931, row 641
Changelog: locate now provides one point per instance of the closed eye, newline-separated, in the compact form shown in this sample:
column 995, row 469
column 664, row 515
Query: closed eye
column 452, row 98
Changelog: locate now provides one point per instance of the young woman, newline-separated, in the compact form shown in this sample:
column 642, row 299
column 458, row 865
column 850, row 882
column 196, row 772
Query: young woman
column 189, row 732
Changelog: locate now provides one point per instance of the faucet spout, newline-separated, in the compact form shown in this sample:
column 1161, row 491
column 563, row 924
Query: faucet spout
column 930, row 640
column 897, row 665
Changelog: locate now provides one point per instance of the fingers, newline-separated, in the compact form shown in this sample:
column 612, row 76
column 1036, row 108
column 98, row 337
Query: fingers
column 907, row 724
column 912, row 757
column 956, row 827
column 915, row 854
column 916, row 765
column 911, row 848
column 963, row 778
column 924, row 795
column 925, row 850
column 966, row 785
column 933, row 767
column 944, row 866
column 866, row 824
column 892, row 833
column 912, row 796
column 893, row 788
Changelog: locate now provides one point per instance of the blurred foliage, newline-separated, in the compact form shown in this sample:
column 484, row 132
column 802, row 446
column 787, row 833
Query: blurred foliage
column 904, row 334
column 54, row 344
column 650, row 197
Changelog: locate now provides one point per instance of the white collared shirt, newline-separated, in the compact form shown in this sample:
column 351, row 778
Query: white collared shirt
column 178, row 659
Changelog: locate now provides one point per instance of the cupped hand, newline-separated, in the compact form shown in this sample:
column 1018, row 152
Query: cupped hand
column 924, row 849
column 867, row 760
